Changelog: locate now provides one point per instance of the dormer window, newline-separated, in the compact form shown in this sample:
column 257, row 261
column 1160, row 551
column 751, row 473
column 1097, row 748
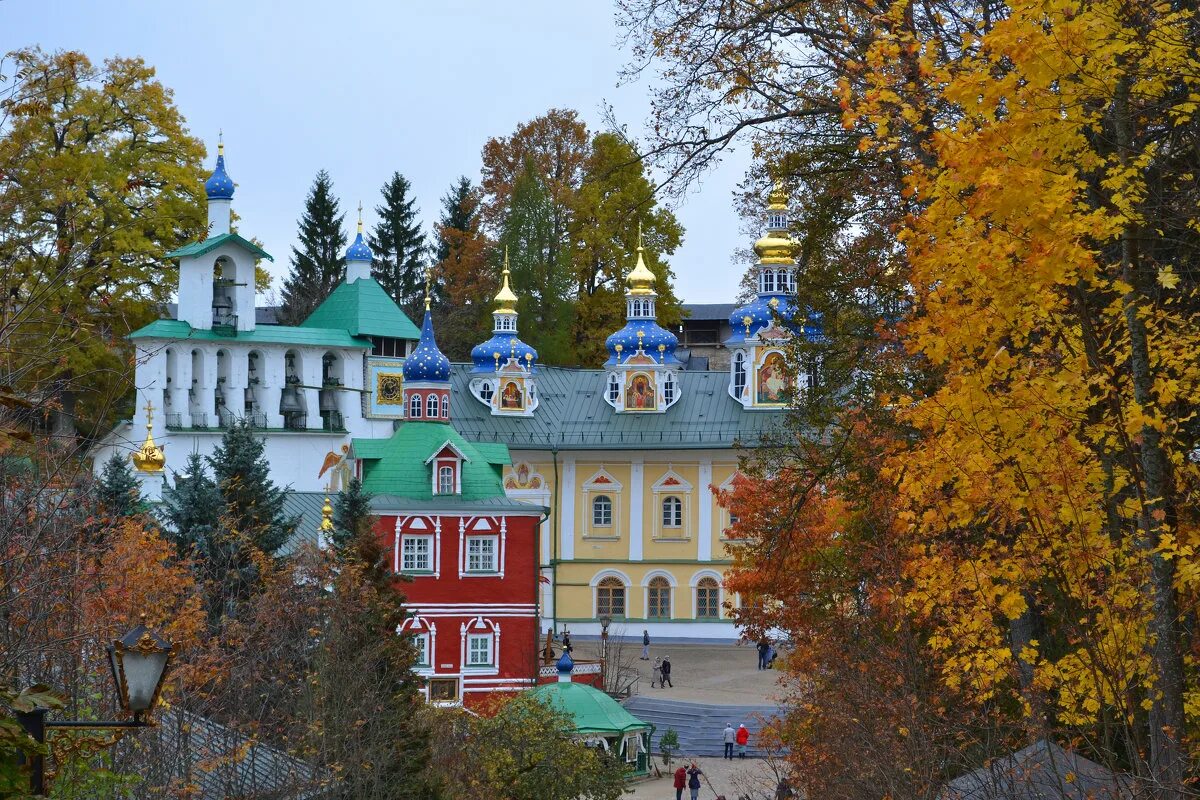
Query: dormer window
column 445, row 479
column 614, row 388
column 446, row 467
column 669, row 388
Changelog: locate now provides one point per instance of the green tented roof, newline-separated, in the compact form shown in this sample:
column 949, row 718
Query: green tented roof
column 592, row 710
column 213, row 242
column 266, row 334
column 572, row 415
column 364, row 309
column 396, row 466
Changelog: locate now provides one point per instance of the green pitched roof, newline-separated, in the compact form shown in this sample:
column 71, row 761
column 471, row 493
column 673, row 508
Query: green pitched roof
column 572, row 415
column 396, row 466
column 266, row 334
column 213, row 242
column 364, row 309
column 592, row 710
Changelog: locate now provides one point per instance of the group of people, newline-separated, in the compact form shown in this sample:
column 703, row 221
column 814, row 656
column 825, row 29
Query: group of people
column 688, row 777
column 741, row 737
column 766, row 654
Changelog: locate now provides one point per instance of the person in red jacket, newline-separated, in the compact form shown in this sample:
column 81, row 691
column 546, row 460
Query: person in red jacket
column 743, row 738
column 680, row 782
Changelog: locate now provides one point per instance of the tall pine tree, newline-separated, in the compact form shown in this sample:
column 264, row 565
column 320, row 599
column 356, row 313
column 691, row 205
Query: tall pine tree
column 117, row 490
column 319, row 264
column 460, row 212
column 399, row 247
column 352, row 516
column 252, row 501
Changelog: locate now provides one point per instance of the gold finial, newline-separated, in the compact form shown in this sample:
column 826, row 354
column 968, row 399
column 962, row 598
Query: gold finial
column 428, row 286
column 360, row 216
column 776, row 247
column 327, row 516
column 777, row 200
column 619, row 348
column 747, row 321
column 150, row 457
column 220, row 142
column 506, row 299
column 641, row 279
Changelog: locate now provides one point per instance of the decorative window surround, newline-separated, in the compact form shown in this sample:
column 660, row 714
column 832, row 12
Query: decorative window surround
column 672, row 484
column 602, row 483
column 476, row 629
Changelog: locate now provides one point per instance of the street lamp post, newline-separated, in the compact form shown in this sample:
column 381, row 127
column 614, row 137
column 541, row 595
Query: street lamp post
column 605, row 621
column 139, row 662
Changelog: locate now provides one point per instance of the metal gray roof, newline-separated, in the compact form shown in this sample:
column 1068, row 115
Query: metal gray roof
column 707, row 311
column 572, row 415
column 1042, row 771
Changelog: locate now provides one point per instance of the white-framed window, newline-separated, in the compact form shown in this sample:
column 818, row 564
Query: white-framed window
column 421, row 643
column 739, row 373
column 486, row 391
column 777, row 220
column 431, row 406
column 669, row 388
column 614, row 388
column 602, row 511
column 416, row 554
column 445, row 479
column 481, row 554
column 708, row 598
column 632, row 747
column 479, row 650
column 610, row 597
column 672, row 512
column 768, row 280
column 414, row 407
column 658, row 598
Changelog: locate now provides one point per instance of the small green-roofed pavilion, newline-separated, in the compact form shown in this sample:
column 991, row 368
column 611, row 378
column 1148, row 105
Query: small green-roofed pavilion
column 364, row 309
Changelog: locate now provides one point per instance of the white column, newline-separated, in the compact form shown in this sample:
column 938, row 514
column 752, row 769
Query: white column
column 271, row 374
column 312, row 377
column 636, row 508
column 235, row 387
column 180, row 398
column 205, row 384
column 566, row 549
column 704, row 533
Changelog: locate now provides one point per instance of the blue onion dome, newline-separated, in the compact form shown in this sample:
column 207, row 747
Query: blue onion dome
column 654, row 341
column 746, row 321
column 358, row 250
column 219, row 185
column 427, row 364
column 565, row 664
column 496, row 351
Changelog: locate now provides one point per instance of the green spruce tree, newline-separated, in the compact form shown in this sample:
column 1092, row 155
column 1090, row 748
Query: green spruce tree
column 319, row 264
column 253, row 503
column 460, row 212
column 399, row 247
column 192, row 510
column 352, row 515
column 118, row 490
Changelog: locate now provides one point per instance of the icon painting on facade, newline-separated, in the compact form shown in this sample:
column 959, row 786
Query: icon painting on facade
column 640, row 393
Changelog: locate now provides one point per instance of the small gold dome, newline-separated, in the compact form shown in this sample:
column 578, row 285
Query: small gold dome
column 640, row 279
column 149, row 457
column 327, row 517
column 777, row 200
column 506, row 299
column 776, row 247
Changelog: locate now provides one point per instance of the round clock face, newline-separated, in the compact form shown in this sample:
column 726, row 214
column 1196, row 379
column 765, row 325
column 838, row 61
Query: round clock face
column 389, row 388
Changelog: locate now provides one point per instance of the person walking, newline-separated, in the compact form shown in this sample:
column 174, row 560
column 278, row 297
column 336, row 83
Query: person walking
column 680, row 782
column 729, row 740
column 763, row 648
column 645, row 645
column 665, row 680
column 743, row 739
column 694, row 774
column 657, row 676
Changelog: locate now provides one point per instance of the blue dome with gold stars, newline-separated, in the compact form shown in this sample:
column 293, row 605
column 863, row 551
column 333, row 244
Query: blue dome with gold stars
column 358, row 250
column 427, row 364
column 507, row 345
column 652, row 337
column 747, row 320
column 219, row 185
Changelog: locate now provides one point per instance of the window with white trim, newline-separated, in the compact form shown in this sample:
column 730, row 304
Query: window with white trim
column 669, row 388
column 479, row 650
column 610, row 597
column 658, row 598
column 414, row 407
column 481, row 554
column 614, row 388
column 602, row 511
column 486, row 391
column 632, row 747
column 672, row 512
column 416, row 554
column 445, row 479
column 708, row 598
column 739, row 373
column 421, row 643
column 431, row 406
column 768, row 280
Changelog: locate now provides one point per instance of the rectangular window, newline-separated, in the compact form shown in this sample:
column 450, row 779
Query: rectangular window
column 421, row 642
column 632, row 748
column 416, row 554
column 708, row 602
column 481, row 554
column 445, row 480
column 479, row 650
column 443, row 690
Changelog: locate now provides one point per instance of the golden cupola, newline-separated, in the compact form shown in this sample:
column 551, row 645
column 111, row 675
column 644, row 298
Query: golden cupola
column 506, row 298
column 640, row 279
column 149, row 457
column 776, row 247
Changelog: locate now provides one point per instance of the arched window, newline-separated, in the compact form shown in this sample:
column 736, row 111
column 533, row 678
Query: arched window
column 431, row 406
column 708, row 599
column 602, row 511
column 445, row 479
column 614, row 388
column 658, row 598
column 414, row 407
column 486, row 391
column 739, row 373
column 768, row 280
column 672, row 512
column 669, row 389
column 610, row 597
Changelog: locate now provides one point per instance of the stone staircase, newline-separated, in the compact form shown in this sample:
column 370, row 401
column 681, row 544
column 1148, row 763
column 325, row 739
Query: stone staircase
column 699, row 725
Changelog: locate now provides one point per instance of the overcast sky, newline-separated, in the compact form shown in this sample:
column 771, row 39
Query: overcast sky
column 365, row 88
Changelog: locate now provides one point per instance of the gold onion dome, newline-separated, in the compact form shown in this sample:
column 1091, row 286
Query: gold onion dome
column 150, row 457
column 506, row 299
column 776, row 247
column 641, row 279
column 327, row 517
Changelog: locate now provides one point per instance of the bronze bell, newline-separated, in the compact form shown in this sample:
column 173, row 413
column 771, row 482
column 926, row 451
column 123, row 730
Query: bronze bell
column 290, row 402
column 327, row 400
